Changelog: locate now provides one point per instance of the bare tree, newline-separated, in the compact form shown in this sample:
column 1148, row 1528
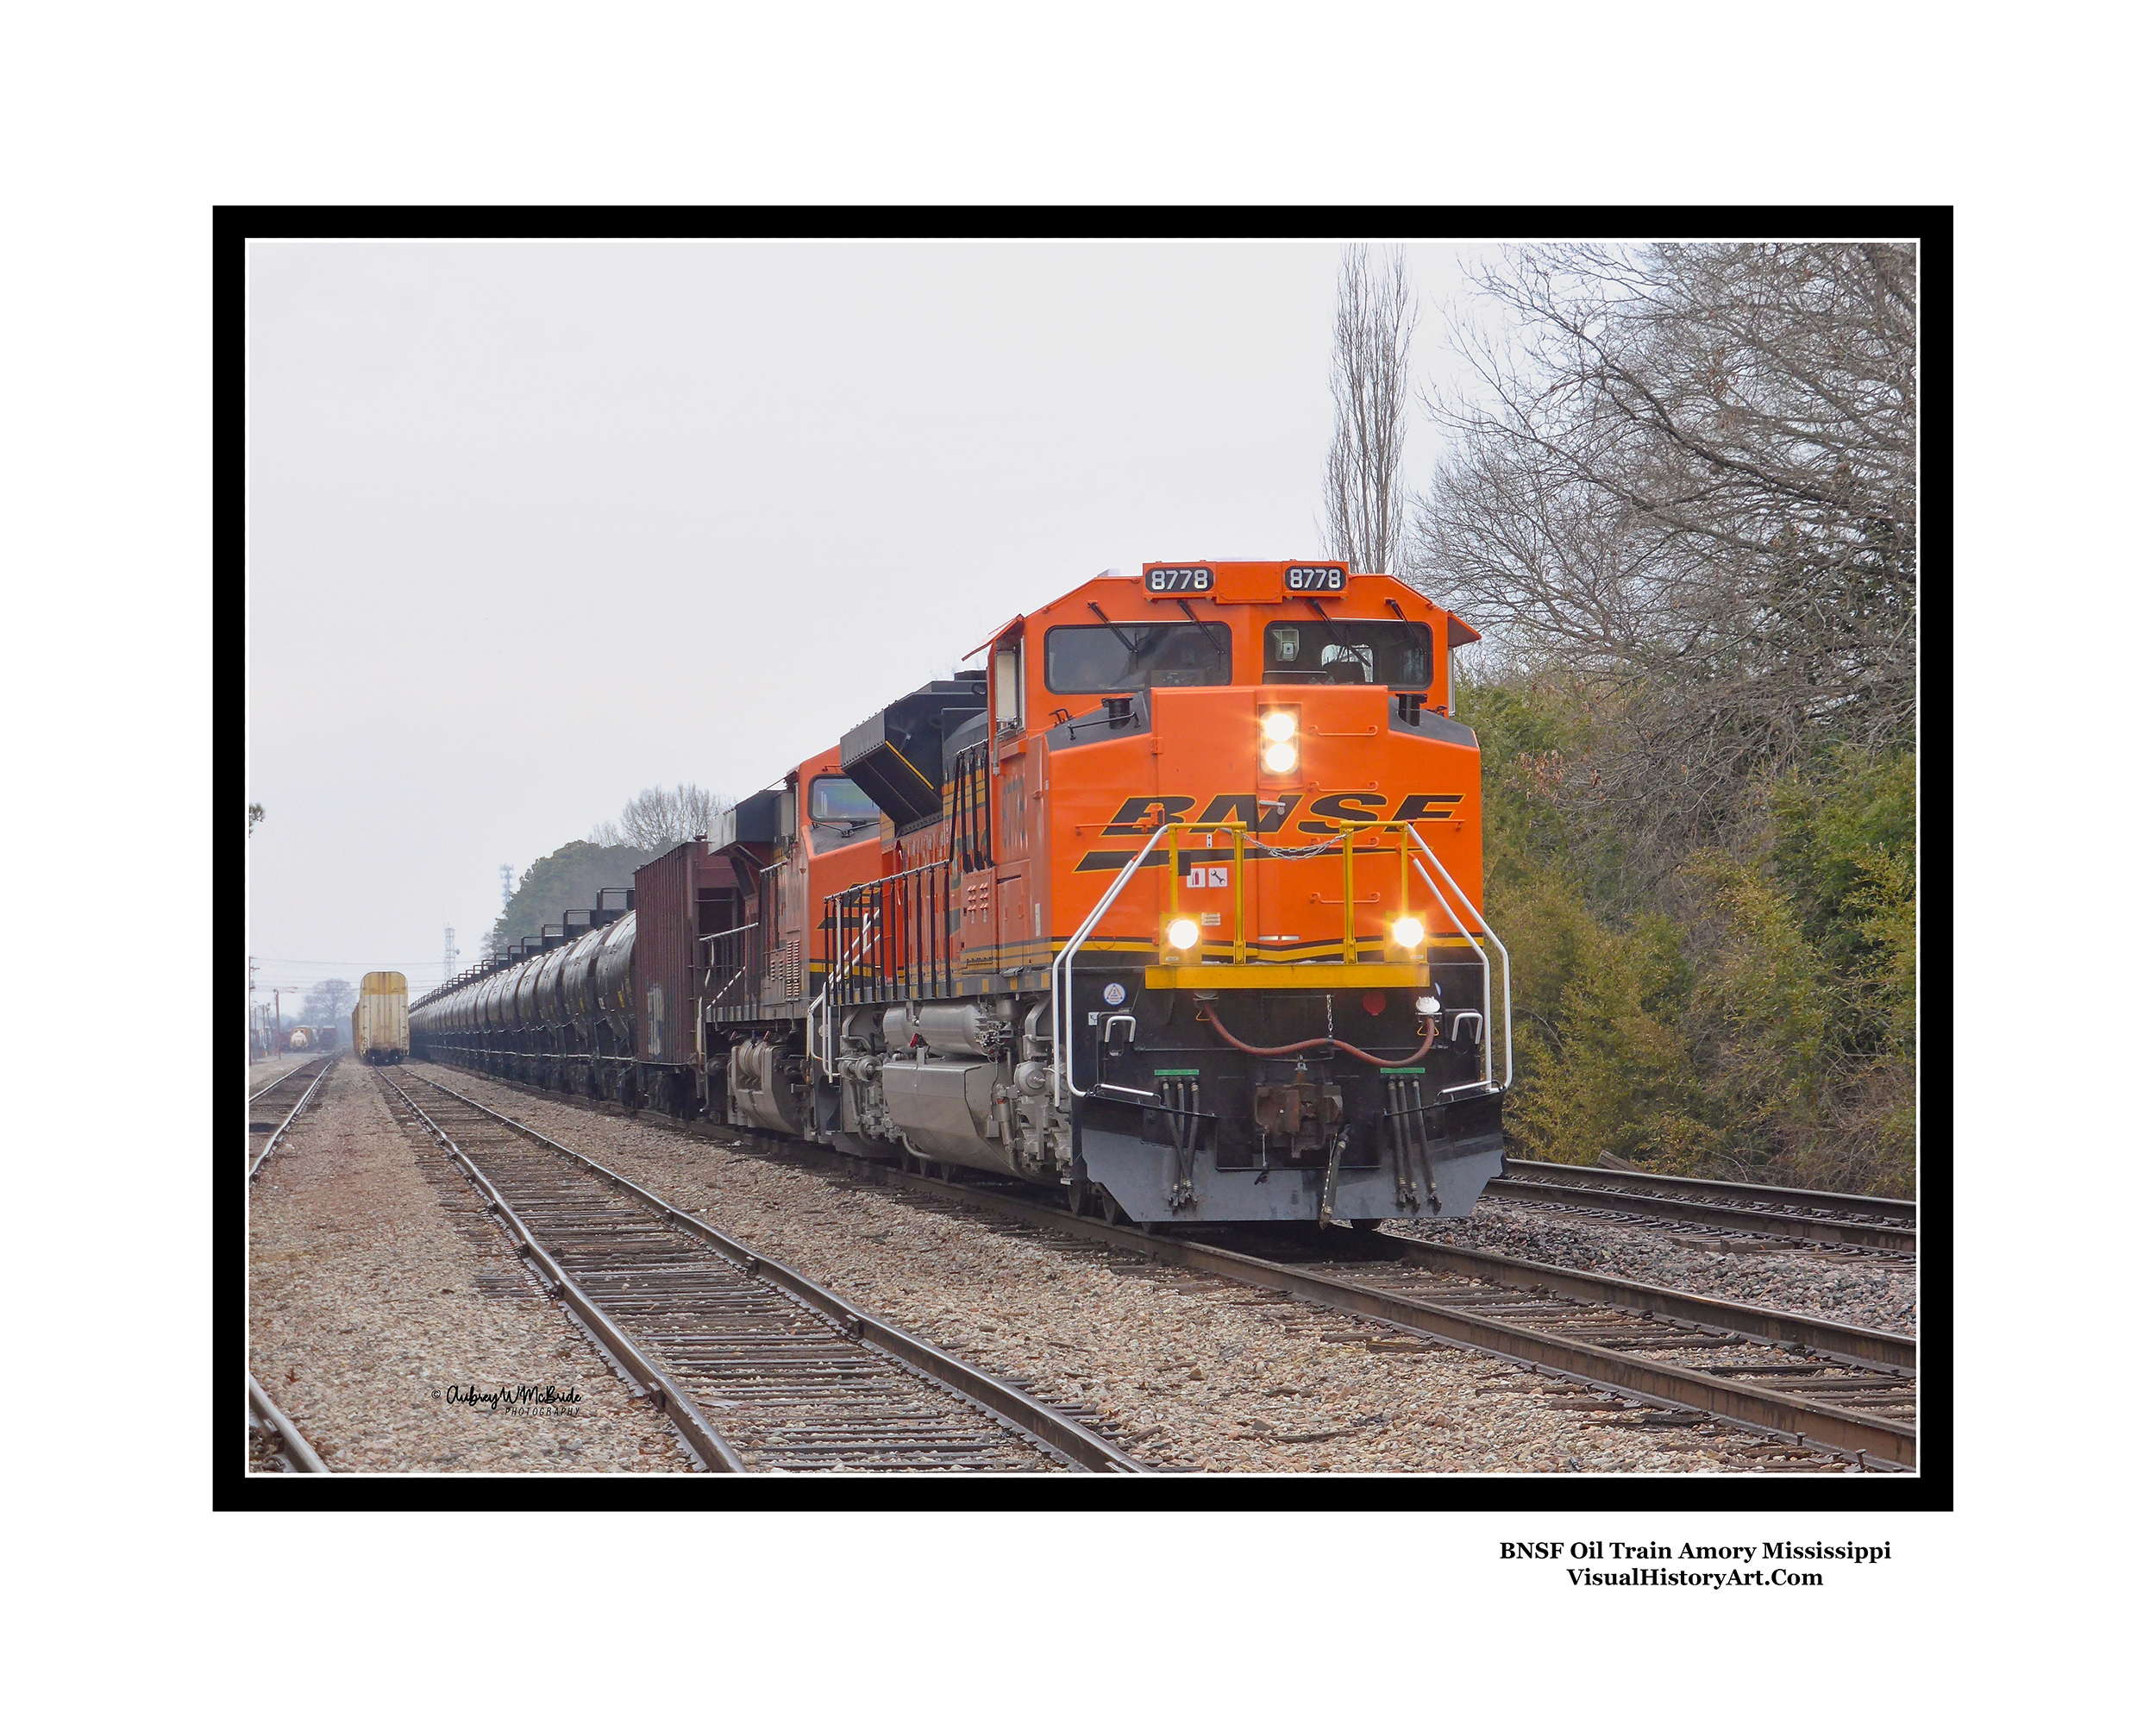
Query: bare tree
column 254, row 814
column 657, row 819
column 330, row 1002
column 1373, row 321
column 1686, row 477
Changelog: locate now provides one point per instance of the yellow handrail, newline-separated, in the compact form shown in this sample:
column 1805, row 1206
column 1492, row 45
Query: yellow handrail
column 1350, row 831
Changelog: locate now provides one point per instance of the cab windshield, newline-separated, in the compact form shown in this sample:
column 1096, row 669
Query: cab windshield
column 841, row 811
column 1349, row 651
column 1120, row 658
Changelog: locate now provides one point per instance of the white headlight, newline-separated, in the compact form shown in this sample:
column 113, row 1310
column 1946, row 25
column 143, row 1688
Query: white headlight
column 1407, row 932
column 1182, row 934
column 1278, row 726
column 1279, row 757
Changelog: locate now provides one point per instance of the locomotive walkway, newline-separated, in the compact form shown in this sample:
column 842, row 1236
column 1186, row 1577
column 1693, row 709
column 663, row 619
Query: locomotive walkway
column 759, row 1368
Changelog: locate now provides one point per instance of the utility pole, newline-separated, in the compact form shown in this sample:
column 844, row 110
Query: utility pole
column 277, row 996
column 507, row 876
column 251, row 1033
column 448, row 953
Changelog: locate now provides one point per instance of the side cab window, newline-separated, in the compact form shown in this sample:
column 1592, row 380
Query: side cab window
column 1010, row 685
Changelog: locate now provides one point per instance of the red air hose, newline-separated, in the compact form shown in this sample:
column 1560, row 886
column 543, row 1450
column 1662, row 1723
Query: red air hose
column 1213, row 1018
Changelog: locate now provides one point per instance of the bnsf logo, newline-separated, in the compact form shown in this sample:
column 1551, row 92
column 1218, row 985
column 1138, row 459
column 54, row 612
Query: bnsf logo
column 1132, row 820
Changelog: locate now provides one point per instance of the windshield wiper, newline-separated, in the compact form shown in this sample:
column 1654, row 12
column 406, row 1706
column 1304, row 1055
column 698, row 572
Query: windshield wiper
column 1338, row 639
column 1129, row 645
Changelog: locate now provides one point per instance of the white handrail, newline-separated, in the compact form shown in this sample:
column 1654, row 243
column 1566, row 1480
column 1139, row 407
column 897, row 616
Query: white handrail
column 871, row 914
column 1423, row 845
column 1059, row 1021
column 1062, row 1002
column 1466, row 934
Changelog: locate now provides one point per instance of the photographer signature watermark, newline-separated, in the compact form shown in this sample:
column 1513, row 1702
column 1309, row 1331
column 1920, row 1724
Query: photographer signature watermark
column 513, row 1398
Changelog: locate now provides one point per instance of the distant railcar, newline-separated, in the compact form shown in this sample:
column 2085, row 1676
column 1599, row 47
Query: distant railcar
column 381, row 1029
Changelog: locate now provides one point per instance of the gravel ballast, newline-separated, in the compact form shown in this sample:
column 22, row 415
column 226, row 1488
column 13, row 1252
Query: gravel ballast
column 1185, row 1371
column 1872, row 1292
column 377, row 1287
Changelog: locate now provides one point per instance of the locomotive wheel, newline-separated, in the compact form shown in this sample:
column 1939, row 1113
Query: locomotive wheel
column 1080, row 1194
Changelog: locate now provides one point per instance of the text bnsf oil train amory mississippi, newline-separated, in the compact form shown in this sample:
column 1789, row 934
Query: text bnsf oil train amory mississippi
column 1175, row 905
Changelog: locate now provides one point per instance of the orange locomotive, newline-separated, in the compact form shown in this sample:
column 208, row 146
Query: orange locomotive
column 1176, row 905
column 1178, row 902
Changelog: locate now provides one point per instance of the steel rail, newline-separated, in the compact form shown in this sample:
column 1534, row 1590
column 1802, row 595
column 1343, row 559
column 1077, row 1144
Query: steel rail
column 255, row 1096
column 1083, row 1448
column 1843, row 1342
column 1722, row 1191
column 713, row 1449
column 1844, row 1430
column 1879, row 1237
column 301, row 1452
column 278, row 1137
column 1847, row 1432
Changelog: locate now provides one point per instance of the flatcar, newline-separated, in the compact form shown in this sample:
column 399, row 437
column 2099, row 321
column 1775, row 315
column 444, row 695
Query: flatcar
column 381, row 1031
column 1175, row 905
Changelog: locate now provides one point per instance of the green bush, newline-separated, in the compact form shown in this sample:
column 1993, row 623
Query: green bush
column 1745, row 1011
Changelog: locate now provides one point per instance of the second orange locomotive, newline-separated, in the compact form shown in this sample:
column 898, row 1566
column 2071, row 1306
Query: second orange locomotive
column 1175, row 905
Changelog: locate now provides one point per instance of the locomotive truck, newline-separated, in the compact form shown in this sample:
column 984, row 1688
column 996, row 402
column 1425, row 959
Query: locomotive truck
column 1175, row 905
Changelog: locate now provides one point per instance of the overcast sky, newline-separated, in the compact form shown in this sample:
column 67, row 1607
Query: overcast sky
column 532, row 527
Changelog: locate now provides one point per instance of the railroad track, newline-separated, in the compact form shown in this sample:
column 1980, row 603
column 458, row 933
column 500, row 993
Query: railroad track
column 267, row 1112
column 1824, row 1387
column 1679, row 1358
column 293, row 1454
column 759, row 1368
column 1830, row 1219
column 305, row 1070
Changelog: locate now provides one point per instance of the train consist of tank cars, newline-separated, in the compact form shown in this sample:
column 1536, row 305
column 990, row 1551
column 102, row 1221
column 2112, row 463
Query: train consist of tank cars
column 381, row 1020
column 1175, row 905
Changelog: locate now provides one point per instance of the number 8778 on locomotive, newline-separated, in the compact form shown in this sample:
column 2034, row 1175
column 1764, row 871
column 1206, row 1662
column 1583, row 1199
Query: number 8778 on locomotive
column 1175, row 905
